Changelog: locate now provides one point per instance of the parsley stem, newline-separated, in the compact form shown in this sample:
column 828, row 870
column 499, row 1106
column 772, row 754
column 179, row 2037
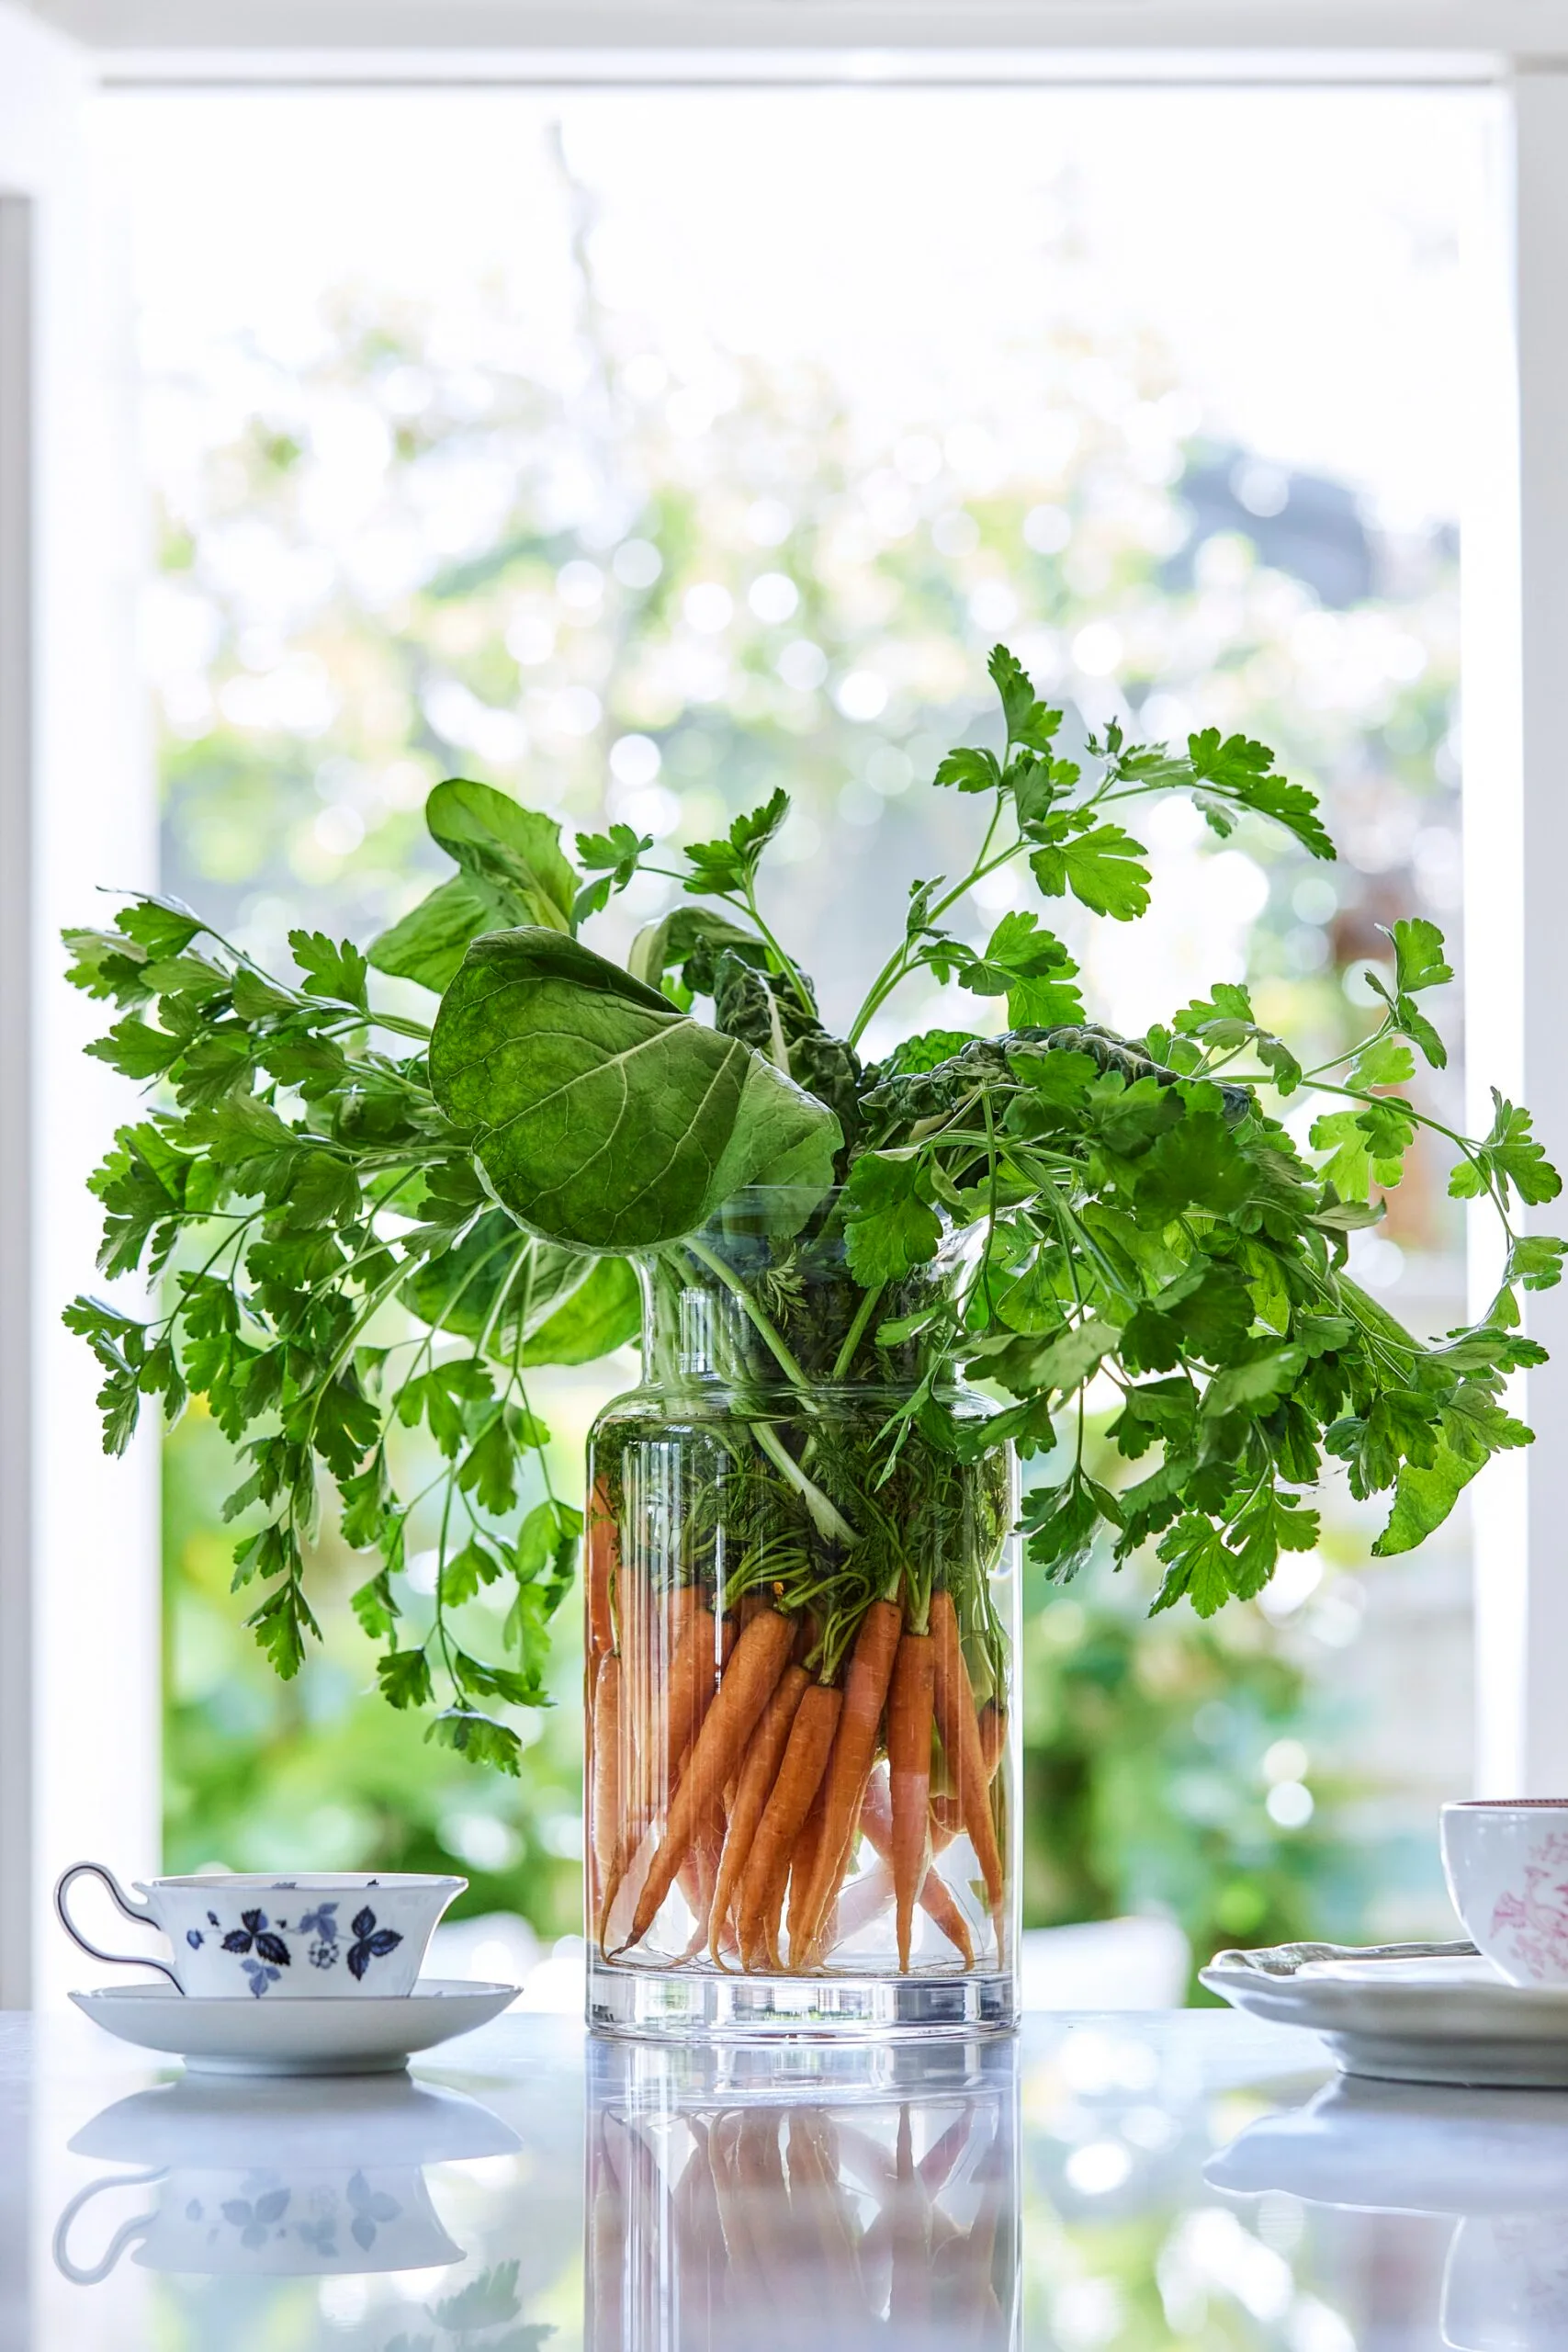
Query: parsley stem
column 901, row 962
column 787, row 970
column 769, row 1336
column 856, row 1332
column 1423, row 1119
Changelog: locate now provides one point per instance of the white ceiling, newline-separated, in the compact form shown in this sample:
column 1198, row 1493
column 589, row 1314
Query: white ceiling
column 1536, row 28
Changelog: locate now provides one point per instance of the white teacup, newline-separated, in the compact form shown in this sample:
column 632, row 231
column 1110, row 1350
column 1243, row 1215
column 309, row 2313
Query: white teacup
column 313, row 1936
column 1506, row 1864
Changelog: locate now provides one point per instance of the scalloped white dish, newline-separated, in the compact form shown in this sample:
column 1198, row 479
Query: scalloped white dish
column 298, row 2037
column 1438, row 2019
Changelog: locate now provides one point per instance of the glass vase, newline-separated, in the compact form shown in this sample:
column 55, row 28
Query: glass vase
column 801, row 1632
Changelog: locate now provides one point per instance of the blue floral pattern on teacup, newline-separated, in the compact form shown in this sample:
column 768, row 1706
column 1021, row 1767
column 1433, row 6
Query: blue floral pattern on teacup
column 258, row 1943
column 271, row 1955
column 322, row 1923
column 371, row 1942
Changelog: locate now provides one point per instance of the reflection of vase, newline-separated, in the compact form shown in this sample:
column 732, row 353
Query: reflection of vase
column 830, row 2200
column 268, row 2181
column 791, row 1529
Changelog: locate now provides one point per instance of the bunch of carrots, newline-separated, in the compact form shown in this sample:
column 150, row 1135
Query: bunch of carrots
column 722, row 1761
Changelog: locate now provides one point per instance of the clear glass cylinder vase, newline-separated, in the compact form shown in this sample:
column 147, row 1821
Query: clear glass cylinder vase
column 802, row 1607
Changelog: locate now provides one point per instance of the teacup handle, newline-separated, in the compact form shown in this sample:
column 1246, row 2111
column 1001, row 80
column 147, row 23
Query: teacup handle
column 137, row 2226
column 141, row 1913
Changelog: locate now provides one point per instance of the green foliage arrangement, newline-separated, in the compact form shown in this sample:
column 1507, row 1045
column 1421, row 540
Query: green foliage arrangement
column 314, row 1172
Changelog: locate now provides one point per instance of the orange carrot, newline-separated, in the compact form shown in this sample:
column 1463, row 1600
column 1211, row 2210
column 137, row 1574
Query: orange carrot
column 947, row 1819
column 763, row 1950
column 947, row 1812
column 698, row 1878
column 658, row 1631
column 754, row 1786
column 746, row 1688
column 600, row 1563
column 606, row 1766
column 854, row 1752
column 688, row 1686
column 910, row 1710
column 803, row 1865
column 634, row 1621
column 805, row 1760
column 760, row 1947
column 937, row 1899
column 953, row 1702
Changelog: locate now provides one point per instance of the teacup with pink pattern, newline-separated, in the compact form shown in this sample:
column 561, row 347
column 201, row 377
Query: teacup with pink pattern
column 1506, row 1863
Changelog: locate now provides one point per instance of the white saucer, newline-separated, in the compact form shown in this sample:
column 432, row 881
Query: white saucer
column 1433, row 2020
column 362, row 2036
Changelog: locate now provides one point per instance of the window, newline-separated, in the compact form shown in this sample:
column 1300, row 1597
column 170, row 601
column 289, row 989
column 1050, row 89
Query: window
column 87, row 783
column 529, row 436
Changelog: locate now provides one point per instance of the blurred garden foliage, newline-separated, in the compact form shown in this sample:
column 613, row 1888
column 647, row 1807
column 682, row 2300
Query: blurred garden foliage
column 654, row 584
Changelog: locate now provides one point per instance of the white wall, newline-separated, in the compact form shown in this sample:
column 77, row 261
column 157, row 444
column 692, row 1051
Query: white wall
column 885, row 28
column 79, row 1680
column 1541, row 296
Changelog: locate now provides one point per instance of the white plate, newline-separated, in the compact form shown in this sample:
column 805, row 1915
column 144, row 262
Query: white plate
column 1429, row 2020
column 250, row 2037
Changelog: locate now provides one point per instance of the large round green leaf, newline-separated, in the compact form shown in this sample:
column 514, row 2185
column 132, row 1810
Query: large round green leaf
column 603, row 1117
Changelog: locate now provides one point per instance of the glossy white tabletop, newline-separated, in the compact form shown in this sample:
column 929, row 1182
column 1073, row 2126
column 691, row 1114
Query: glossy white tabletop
column 1116, row 2184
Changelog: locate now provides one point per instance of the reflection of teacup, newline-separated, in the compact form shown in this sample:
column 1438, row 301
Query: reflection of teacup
column 1506, row 2284
column 315, row 1936
column 268, row 2223
column 1506, row 1865
column 267, row 2182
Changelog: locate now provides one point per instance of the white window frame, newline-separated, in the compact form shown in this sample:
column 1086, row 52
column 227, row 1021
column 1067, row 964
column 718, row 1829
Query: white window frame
column 78, row 1580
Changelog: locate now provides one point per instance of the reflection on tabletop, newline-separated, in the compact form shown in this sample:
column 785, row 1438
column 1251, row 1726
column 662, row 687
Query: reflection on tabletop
column 732, row 2193
column 265, row 2179
column 1194, row 2181
column 1496, row 2161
